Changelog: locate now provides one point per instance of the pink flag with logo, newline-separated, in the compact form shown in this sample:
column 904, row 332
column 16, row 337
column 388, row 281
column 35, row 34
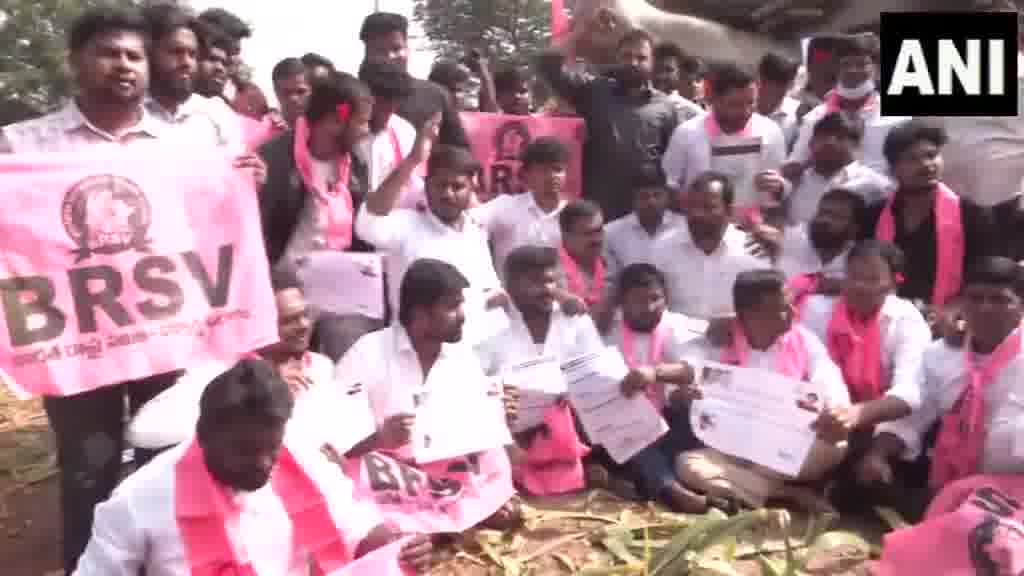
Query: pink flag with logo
column 974, row 526
column 498, row 140
column 121, row 263
column 440, row 497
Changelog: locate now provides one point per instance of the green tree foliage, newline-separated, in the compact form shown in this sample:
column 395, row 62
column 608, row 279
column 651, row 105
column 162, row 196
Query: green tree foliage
column 506, row 30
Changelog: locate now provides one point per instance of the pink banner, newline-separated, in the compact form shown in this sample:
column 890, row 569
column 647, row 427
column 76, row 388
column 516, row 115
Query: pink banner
column 381, row 562
column 436, row 498
column 974, row 526
column 126, row 262
column 498, row 140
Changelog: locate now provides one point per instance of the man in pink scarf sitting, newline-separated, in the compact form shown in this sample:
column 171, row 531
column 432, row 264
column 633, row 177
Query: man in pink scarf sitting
column 764, row 337
column 236, row 499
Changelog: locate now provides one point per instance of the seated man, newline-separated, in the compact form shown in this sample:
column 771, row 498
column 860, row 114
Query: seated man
column 653, row 342
column 540, row 328
column 764, row 337
column 236, row 499
column 583, row 276
column 971, row 393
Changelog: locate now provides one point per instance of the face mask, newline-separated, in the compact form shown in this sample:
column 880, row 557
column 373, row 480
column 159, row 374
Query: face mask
column 865, row 89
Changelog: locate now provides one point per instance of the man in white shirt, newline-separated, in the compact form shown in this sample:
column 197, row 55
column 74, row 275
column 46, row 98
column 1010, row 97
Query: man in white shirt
column 529, row 218
column 237, row 497
column 833, row 145
column 420, row 355
column 654, row 342
column 391, row 136
column 775, row 75
column 445, row 230
column 732, row 139
column 709, row 254
column 646, row 234
column 765, row 338
column 856, row 94
column 986, row 370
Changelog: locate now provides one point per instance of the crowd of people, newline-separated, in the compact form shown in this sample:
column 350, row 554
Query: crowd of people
column 726, row 215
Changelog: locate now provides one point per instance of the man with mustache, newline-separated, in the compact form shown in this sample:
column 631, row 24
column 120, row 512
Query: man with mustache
column 212, row 73
column 629, row 122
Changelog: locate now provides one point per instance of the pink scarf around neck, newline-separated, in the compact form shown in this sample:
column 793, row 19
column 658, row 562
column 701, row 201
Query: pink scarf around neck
column 574, row 278
column 208, row 519
column 336, row 202
column 554, row 459
column 655, row 346
column 802, row 287
column 791, row 356
column 714, row 130
column 833, row 103
column 961, row 438
column 949, row 231
column 857, row 348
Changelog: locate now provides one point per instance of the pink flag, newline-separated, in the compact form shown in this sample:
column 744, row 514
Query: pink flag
column 441, row 497
column 498, row 140
column 381, row 562
column 121, row 263
column 559, row 21
column 974, row 526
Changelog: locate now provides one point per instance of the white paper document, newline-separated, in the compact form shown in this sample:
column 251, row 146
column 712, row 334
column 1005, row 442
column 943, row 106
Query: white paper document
column 338, row 415
column 756, row 415
column 482, row 323
column 458, row 420
column 344, row 282
column 624, row 426
column 540, row 384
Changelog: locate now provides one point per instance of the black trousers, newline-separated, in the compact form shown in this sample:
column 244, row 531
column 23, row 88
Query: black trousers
column 89, row 430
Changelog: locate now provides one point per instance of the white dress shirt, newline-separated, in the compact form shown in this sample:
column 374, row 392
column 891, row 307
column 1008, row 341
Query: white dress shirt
column 785, row 117
column 689, row 154
column 700, row 284
column 680, row 334
column 821, row 370
column 627, row 242
column 945, row 377
column 389, row 368
column 68, row 130
column 858, row 178
column 408, row 235
column 905, row 336
column 202, row 121
column 514, row 220
column 876, row 129
column 136, row 529
column 378, row 151
column 567, row 338
column 798, row 256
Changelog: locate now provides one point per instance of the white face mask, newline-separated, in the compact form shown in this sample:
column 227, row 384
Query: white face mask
column 864, row 90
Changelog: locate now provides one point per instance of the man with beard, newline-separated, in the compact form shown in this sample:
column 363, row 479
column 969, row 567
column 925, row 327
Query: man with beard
column 386, row 38
column 173, row 66
column 236, row 31
column 212, row 73
column 314, row 188
column 240, row 498
column 833, row 163
column 675, row 74
column 629, row 123
column 708, row 254
column 855, row 94
column 108, row 57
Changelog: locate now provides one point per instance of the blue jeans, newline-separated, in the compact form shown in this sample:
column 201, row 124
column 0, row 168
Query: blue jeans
column 653, row 468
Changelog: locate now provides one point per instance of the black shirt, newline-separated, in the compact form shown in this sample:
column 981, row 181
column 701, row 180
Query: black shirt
column 919, row 246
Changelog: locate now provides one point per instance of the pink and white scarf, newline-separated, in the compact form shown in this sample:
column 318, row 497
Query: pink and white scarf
column 856, row 347
column 949, row 231
column 335, row 202
column 655, row 346
column 574, row 278
column 791, row 357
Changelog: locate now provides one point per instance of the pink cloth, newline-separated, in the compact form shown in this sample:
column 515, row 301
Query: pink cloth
column 802, row 287
column 208, row 519
column 950, row 242
column 961, row 437
column 256, row 133
column 655, row 347
column 554, row 459
column 833, row 103
column 440, row 497
column 792, row 355
column 856, row 347
column 337, row 202
column 170, row 234
column 974, row 526
column 574, row 278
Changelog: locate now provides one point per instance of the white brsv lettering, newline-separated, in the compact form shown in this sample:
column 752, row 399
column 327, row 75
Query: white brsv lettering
column 911, row 70
column 951, row 62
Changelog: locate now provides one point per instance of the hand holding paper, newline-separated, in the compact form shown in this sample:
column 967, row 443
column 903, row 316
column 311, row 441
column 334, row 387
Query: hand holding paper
column 396, row 431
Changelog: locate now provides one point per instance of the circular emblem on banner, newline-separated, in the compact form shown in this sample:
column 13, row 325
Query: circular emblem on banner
column 106, row 214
